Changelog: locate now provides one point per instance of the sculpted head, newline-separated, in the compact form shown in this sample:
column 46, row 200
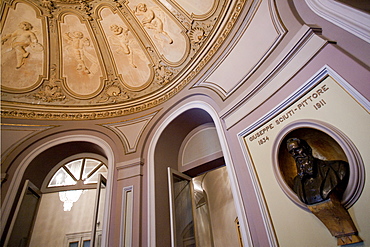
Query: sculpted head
column 78, row 35
column 116, row 29
column 142, row 7
column 302, row 154
column 25, row 25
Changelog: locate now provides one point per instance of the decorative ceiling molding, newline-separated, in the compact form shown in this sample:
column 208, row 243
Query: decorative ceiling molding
column 302, row 47
column 256, row 32
column 130, row 131
column 103, row 59
column 13, row 135
column 344, row 16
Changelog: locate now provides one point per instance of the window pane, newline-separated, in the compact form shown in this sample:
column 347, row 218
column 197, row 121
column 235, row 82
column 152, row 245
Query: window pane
column 61, row 178
column 86, row 243
column 75, row 168
column 90, row 165
column 73, row 244
column 94, row 177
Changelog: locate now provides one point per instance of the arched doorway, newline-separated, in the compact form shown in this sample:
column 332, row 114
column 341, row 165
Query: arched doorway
column 39, row 162
column 73, row 200
column 164, row 152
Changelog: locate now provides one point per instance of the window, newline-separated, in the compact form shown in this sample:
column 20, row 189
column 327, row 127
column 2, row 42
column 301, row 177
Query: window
column 73, row 244
column 85, row 170
column 86, row 243
column 74, row 176
column 79, row 239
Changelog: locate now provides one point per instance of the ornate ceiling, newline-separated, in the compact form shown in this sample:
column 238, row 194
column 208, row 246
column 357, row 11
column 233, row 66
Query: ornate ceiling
column 82, row 59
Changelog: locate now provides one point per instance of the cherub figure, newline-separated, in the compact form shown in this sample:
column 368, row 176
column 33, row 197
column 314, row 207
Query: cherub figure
column 151, row 21
column 78, row 43
column 120, row 38
column 20, row 40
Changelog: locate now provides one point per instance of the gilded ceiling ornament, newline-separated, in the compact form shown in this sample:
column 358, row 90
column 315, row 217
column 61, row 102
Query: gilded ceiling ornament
column 199, row 32
column 163, row 74
column 50, row 93
column 197, row 35
column 86, row 8
column 49, row 6
column 68, row 1
column 118, row 4
column 113, row 93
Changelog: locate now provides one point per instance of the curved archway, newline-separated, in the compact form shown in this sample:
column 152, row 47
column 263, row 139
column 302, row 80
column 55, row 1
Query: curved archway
column 174, row 128
column 64, row 146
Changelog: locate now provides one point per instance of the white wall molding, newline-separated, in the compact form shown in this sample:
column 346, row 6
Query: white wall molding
column 272, row 239
column 300, row 50
column 228, row 161
column 204, row 149
column 127, row 216
column 346, row 17
column 311, row 83
column 129, row 169
column 251, row 48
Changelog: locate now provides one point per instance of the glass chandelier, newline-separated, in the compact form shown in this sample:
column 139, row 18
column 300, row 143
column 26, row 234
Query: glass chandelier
column 69, row 197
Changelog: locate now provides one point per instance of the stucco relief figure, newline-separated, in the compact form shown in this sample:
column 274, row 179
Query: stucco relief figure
column 151, row 21
column 121, row 40
column 317, row 179
column 21, row 39
column 78, row 44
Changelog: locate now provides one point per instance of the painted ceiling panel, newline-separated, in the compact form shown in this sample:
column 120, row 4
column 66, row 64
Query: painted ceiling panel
column 131, row 59
column 196, row 7
column 163, row 30
column 81, row 66
column 84, row 59
column 23, row 65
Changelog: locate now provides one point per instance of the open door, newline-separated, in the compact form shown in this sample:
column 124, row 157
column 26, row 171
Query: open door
column 202, row 210
column 21, row 226
column 181, row 208
column 98, row 212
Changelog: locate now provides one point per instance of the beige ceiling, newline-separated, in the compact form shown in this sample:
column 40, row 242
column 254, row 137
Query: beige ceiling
column 68, row 59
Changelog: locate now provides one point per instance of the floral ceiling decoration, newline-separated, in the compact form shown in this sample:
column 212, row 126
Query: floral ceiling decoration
column 75, row 60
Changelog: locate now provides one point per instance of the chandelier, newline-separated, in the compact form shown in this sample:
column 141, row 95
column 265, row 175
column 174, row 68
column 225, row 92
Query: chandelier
column 69, row 197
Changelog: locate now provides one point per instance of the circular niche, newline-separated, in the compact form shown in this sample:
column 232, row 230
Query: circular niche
column 327, row 143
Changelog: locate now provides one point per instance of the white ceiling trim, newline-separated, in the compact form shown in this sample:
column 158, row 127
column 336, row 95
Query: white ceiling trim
column 346, row 17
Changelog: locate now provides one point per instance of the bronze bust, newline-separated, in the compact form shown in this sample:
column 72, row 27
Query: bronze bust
column 317, row 179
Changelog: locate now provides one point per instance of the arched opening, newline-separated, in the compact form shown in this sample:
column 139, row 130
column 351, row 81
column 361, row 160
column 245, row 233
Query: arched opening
column 35, row 171
column 186, row 155
column 166, row 155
